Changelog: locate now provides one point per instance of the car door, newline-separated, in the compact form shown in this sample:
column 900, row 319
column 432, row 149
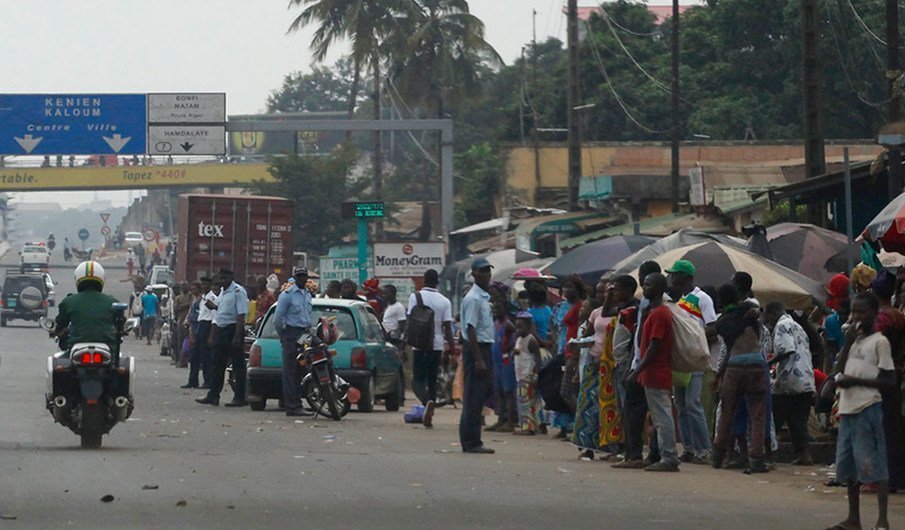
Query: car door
column 385, row 358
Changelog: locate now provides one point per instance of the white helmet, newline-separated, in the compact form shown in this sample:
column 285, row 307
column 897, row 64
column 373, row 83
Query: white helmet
column 90, row 271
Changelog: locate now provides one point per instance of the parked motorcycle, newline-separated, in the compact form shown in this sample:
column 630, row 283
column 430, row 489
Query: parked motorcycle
column 89, row 385
column 325, row 391
column 67, row 254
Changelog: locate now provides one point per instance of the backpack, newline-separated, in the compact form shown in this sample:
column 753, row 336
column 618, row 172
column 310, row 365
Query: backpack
column 137, row 308
column 690, row 350
column 419, row 331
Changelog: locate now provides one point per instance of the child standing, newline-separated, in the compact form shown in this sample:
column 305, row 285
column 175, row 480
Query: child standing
column 864, row 368
column 527, row 366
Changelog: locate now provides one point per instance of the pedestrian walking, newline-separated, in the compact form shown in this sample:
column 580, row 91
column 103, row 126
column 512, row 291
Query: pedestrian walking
column 654, row 370
column 130, row 260
column 428, row 337
column 793, row 386
column 864, row 369
column 292, row 318
column 477, row 325
column 192, row 325
column 692, row 420
column 149, row 304
column 394, row 318
column 231, row 307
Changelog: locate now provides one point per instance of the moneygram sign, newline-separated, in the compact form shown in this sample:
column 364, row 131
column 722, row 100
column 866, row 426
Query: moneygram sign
column 404, row 260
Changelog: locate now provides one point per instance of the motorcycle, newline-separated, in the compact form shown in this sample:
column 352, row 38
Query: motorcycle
column 89, row 385
column 325, row 391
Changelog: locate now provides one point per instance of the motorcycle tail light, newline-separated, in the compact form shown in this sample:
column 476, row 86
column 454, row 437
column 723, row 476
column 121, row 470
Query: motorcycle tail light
column 91, row 358
column 317, row 356
column 359, row 358
column 3, row 302
column 254, row 356
column 44, row 303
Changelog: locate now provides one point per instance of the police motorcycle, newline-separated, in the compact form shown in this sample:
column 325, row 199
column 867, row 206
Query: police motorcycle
column 325, row 391
column 90, row 385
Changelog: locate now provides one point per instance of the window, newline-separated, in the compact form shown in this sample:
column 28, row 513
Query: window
column 344, row 322
column 372, row 329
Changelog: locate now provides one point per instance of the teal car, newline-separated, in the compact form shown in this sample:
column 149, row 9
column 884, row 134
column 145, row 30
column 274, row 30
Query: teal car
column 364, row 358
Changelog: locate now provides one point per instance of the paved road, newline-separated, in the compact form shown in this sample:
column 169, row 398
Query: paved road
column 225, row 468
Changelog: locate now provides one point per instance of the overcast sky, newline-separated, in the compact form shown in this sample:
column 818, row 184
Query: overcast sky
column 235, row 46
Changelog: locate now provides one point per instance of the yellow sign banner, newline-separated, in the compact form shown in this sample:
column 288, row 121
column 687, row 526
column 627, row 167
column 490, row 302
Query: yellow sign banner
column 130, row 177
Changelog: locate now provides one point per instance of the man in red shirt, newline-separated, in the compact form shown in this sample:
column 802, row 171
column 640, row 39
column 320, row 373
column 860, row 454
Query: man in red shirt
column 654, row 372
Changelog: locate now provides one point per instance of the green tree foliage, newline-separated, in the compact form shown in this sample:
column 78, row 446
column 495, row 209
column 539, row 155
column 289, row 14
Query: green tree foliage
column 317, row 184
column 323, row 89
column 478, row 179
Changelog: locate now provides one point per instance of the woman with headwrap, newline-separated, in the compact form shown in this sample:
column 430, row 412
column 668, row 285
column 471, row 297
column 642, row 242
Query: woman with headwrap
column 891, row 323
column 837, row 300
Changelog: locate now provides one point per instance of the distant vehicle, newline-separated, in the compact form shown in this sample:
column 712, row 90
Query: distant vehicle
column 24, row 297
column 133, row 237
column 34, row 256
column 249, row 235
column 160, row 275
column 364, row 358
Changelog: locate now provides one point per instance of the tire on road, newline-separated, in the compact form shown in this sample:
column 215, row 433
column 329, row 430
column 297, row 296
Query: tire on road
column 366, row 402
column 92, row 426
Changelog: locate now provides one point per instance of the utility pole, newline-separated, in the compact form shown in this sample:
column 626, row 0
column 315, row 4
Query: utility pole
column 894, row 107
column 573, row 99
column 675, row 132
column 815, row 161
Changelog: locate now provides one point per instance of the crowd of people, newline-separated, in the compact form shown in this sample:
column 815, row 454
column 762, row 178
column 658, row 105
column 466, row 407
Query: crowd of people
column 598, row 366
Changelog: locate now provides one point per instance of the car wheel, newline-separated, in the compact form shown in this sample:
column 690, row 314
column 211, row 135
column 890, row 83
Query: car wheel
column 366, row 403
column 258, row 405
column 394, row 401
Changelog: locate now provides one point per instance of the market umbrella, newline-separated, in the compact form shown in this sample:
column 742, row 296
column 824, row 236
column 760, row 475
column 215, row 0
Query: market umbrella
column 717, row 262
column 679, row 239
column 592, row 260
column 807, row 248
column 888, row 227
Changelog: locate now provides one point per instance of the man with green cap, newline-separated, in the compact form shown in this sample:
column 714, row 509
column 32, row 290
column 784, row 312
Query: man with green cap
column 692, row 420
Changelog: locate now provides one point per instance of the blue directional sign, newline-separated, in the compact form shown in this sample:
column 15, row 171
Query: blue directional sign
column 73, row 124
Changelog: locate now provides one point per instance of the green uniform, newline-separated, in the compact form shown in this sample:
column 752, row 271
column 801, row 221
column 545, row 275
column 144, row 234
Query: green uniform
column 89, row 315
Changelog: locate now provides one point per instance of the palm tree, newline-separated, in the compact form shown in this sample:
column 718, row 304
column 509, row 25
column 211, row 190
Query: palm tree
column 441, row 52
column 366, row 24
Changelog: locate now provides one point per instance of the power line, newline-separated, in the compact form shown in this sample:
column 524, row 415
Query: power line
column 656, row 83
column 619, row 99
column 845, row 71
column 864, row 25
column 420, row 147
column 625, row 29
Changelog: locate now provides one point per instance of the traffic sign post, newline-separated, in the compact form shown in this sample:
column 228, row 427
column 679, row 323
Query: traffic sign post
column 362, row 211
column 84, row 235
column 105, row 230
column 73, row 124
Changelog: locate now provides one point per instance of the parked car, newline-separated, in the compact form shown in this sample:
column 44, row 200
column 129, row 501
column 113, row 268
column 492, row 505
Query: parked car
column 364, row 358
column 34, row 256
column 161, row 275
column 133, row 237
column 24, row 297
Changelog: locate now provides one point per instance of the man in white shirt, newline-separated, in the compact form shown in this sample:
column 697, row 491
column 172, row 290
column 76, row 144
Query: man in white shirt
column 206, row 316
column 394, row 315
column 426, row 363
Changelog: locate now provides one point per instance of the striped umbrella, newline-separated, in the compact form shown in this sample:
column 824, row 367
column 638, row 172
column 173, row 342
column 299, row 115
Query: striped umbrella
column 888, row 227
column 717, row 262
column 806, row 248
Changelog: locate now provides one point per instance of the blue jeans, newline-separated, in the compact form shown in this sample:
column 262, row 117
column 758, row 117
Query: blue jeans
column 477, row 390
column 692, row 421
column 659, row 403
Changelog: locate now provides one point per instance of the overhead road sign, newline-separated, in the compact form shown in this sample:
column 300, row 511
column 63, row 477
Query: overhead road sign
column 186, row 140
column 187, row 124
column 73, row 124
column 187, row 108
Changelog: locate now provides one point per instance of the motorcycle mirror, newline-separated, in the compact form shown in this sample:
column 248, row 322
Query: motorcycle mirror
column 131, row 324
column 47, row 323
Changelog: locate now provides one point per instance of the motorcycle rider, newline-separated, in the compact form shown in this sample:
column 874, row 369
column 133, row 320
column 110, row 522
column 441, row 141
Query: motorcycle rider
column 67, row 254
column 88, row 315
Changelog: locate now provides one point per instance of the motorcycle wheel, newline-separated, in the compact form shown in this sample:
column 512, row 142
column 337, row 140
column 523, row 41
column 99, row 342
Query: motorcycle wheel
column 327, row 395
column 92, row 426
column 312, row 394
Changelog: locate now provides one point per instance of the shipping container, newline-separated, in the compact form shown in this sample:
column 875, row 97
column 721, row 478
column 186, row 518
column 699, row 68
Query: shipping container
column 252, row 236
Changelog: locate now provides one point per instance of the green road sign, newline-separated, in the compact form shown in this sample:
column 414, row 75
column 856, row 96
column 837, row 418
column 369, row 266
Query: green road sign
column 362, row 210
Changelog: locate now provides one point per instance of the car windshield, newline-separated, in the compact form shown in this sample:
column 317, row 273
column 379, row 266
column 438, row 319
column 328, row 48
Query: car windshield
column 344, row 322
column 163, row 276
column 15, row 284
column 33, row 250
